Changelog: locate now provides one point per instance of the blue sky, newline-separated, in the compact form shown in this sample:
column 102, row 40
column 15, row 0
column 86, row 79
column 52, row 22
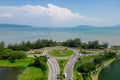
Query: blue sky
column 60, row 13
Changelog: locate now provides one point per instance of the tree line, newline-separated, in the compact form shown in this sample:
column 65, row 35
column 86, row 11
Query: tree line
column 12, row 55
column 41, row 43
column 90, row 45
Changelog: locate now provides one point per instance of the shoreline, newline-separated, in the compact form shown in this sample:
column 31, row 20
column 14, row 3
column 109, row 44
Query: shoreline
column 106, row 63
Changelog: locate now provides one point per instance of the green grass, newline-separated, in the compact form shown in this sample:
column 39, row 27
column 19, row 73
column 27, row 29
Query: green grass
column 76, row 74
column 87, row 77
column 62, row 64
column 37, row 51
column 32, row 73
column 86, row 59
column 17, row 63
column 90, row 51
column 61, row 53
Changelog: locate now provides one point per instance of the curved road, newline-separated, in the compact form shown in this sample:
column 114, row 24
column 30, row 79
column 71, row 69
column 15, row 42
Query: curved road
column 54, row 70
column 53, row 66
column 69, row 66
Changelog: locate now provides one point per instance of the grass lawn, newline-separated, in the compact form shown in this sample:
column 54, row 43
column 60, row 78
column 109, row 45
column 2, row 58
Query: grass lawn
column 62, row 64
column 61, row 53
column 17, row 63
column 86, row 59
column 76, row 75
column 90, row 51
column 35, row 51
column 32, row 73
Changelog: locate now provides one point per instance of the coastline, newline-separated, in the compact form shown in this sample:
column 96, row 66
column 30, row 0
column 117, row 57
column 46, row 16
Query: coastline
column 106, row 63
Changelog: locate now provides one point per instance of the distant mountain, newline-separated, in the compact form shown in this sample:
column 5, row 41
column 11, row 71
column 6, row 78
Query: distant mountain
column 14, row 26
column 81, row 27
column 85, row 27
column 94, row 27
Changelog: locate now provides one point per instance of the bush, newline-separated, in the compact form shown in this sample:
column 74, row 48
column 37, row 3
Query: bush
column 87, row 67
column 7, row 54
column 110, row 54
column 40, row 62
column 12, row 59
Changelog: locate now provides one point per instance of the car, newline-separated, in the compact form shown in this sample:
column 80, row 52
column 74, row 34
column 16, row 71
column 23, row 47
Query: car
column 70, row 78
column 65, row 75
column 58, row 76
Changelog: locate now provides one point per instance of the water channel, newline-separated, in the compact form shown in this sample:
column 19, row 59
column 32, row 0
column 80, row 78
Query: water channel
column 9, row 73
column 111, row 72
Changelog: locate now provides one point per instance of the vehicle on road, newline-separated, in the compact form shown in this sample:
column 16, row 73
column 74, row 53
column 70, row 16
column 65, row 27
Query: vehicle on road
column 58, row 76
column 65, row 75
column 70, row 78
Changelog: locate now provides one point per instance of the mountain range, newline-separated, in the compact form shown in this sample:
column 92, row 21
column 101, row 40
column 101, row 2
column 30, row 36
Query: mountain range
column 77, row 27
column 14, row 26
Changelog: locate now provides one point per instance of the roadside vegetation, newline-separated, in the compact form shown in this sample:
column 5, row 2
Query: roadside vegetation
column 62, row 64
column 32, row 73
column 37, row 51
column 20, row 63
column 36, row 70
column 88, row 65
column 89, row 51
column 8, row 54
column 42, row 43
column 61, row 52
column 76, row 74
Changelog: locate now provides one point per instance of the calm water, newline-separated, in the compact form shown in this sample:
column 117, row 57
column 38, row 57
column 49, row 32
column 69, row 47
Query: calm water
column 60, row 34
column 111, row 72
column 8, row 73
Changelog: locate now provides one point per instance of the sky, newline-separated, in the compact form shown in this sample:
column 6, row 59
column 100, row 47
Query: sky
column 60, row 13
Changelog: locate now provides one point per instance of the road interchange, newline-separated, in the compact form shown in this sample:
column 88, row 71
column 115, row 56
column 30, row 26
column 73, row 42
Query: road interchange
column 70, row 65
column 54, row 70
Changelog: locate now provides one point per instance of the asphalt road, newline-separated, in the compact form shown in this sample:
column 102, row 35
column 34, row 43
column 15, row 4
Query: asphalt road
column 53, row 66
column 69, row 66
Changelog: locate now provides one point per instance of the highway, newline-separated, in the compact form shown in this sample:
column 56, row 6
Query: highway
column 54, row 70
column 70, row 65
column 53, row 66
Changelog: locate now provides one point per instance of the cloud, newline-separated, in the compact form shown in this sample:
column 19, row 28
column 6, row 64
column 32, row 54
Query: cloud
column 6, row 15
column 51, row 15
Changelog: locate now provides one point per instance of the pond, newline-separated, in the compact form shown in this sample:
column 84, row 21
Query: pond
column 9, row 73
column 111, row 72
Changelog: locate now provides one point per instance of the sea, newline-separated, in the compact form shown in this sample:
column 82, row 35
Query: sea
column 17, row 35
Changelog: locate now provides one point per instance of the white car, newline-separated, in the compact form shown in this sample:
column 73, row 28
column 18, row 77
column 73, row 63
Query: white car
column 65, row 75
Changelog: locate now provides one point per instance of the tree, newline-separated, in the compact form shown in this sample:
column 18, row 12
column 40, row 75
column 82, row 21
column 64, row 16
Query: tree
column 87, row 67
column 2, row 45
column 84, row 45
column 72, row 43
column 93, row 44
column 98, row 60
column 40, row 62
column 110, row 54
column 105, row 45
column 12, row 58
column 5, row 54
